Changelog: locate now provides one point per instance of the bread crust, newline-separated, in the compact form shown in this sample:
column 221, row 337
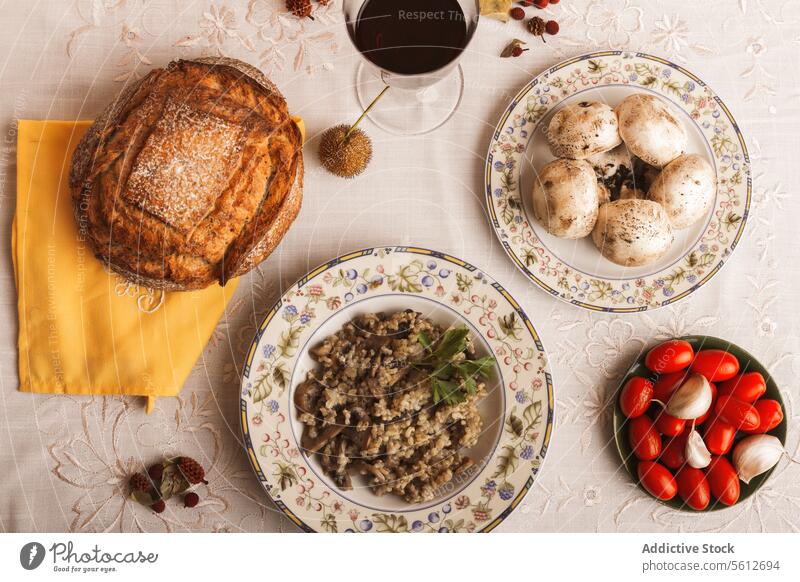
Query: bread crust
column 193, row 175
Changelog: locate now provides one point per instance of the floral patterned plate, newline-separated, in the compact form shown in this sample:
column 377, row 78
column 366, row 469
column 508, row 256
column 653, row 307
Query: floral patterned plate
column 517, row 412
column 574, row 271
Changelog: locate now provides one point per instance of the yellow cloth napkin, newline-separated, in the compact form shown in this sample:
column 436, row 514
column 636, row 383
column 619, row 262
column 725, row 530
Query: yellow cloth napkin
column 82, row 329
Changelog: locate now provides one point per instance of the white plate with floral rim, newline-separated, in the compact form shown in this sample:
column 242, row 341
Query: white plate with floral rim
column 517, row 413
column 574, row 271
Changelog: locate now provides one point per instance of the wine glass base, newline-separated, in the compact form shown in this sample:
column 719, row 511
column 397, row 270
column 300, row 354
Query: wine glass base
column 409, row 112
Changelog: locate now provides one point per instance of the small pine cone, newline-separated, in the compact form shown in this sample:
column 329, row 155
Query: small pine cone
column 537, row 26
column 192, row 470
column 140, row 482
column 300, row 8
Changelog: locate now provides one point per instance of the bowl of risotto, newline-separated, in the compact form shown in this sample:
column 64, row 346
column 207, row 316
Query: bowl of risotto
column 396, row 389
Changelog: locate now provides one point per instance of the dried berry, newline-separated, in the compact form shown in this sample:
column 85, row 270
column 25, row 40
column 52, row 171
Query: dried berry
column 140, row 482
column 191, row 470
column 551, row 27
column 191, row 499
column 300, row 8
column 541, row 3
column 156, row 472
column 517, row 13
column 159, row 506
column 554, row 1
column 536, row 26
column 526, row 2
column 514, row 49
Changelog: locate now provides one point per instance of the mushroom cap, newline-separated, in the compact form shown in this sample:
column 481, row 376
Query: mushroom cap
column 632, row 232
column 583, row 129
column 565, row 198
column 650, row 130
column 686, row 188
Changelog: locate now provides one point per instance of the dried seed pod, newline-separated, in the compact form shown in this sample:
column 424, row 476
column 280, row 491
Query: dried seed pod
column 343, row 154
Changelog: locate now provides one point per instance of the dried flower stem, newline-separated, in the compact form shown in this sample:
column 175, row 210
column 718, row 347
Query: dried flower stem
column 367, row 110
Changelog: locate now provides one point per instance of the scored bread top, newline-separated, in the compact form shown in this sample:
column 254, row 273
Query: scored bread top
column 192, row 176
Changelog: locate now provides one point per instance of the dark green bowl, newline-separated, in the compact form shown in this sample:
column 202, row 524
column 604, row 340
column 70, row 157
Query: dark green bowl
column 748, row 364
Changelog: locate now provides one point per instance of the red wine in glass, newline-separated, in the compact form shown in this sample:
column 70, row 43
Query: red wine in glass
column 413, row 37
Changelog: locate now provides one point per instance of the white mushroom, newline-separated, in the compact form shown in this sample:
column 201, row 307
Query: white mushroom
column 686, row 189
column 583, row 129
column 565, row 198
column 650, row 130
column 621, row 174
column 614, row 162
column 632, row 232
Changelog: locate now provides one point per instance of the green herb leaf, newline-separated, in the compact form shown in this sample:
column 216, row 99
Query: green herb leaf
column 452, row 378
column 425, row 340
column 452, row 343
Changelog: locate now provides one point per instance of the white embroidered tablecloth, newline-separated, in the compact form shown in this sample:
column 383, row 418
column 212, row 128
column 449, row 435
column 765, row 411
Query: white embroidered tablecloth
column 64, row 461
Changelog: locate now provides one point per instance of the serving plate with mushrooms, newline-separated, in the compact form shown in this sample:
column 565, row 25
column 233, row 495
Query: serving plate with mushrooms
column 618, row 181
column 376, row 323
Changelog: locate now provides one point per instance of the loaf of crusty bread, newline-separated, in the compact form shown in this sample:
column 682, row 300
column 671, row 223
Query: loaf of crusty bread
column 192, row 176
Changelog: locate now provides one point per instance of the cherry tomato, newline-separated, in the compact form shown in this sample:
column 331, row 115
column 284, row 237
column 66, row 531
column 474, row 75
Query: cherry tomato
column 693, row 487
column 749, row 387
column 644, row 439
column 636, row 396
column 667, row 384
column 657, row 480
column 723, row 480
column 715, row 365
column 668, row 357
column 718, row 436
column 770, row 413
column 737, row 412
column 669, row 425
column 673, row 454
column 701, row 419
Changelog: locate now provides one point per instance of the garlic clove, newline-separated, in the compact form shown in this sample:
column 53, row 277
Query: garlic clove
column 697, row 454
column 692, row 399
column 756, row 454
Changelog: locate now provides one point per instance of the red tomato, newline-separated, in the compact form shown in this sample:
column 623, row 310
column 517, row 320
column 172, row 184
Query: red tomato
column 643, row 438
column 667, row 384
column 636, row 396
column 718, row 436
column 668, row 357
column 723, row 480
column 669, row 425
column 749, row 387
column 701, row 419
column 770, row 413
column 693, row 487
column 715, row 365
column 673, row 454
column 737, row 412
column 657, row 479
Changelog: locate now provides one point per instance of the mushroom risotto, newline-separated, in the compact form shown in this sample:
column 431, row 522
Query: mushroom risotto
column 394, row 399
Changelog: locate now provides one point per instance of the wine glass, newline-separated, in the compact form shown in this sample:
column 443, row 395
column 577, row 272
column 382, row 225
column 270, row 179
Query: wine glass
column 413, row 46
